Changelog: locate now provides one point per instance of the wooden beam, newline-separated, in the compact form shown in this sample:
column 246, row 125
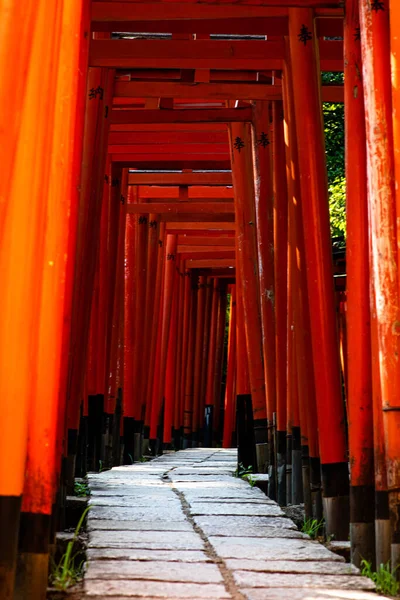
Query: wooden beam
column 197, row 241
column 180, row 208
column 195, row 192
column 186, row 54
column 269, row 26
column 206, row 250
column 183, row 11
column 167, row 137
column 180, row 179
column 253, row 55
column 210, row 115
column 217, row 161
column 160, row 163
column 205, row 263
column 194, row 217
column 198, row 226
column 169, row 149
column 220, row 91
column 203, row 255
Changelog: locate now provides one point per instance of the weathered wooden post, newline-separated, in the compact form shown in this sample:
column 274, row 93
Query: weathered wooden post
column 308, row 112
column 247, row 261
column 264, row 210
column 359, row 389
column 375, row 45
column 231, row 373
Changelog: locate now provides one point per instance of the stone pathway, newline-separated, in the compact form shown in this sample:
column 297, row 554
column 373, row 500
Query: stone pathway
column 181, row 526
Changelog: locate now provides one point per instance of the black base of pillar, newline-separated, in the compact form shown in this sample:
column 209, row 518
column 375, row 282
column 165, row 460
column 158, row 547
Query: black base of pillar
column 245, row 432
column 33, row 556
column 129, row 440
column 316, row 490
column 95, row 429
column 10, row 507
column 335, row 486
column 281, row 467
column 362, row 524
column 297, row 481
column 208, row 426
column 305, row 460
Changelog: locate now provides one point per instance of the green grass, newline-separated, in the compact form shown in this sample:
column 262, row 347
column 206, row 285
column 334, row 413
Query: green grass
column 312, row 527
column 242, row 470
column 66, row 573
column 81, row 488
column 384, row 578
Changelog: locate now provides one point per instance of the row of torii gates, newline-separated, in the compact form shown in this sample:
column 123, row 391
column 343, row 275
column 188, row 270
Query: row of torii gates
column 147, row 177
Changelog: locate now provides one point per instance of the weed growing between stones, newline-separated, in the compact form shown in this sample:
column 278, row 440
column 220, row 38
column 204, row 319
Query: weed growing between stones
column 312, row 527
column 66, row 573
column 384, row 578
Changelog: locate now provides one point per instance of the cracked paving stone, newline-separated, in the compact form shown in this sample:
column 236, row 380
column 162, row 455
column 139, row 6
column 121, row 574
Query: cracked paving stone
column 98, row 524
column 139, row 588
column 243, row 531
column 307, row 594
column 292, row 566
column 245, row 522
column 145, row 554
column 124, row 513
column 146, row 539
column 210, row 508
column 272, row 549
column 288, row 580
column 154, row 570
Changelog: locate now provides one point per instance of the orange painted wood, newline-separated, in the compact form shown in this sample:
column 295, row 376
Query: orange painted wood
column 243, row 91
column 174, row 208
column 219, row 354
column 271, row 25
column 174, row 179
column 317, row 238
column 154, row 346
column 359, row 378
column 184, row 54
column 189, row 370
column 130, row 296
column 264, row 212
column 170, row 149
column 170, row 376
column 305, row 366
column 375, row 45
column 230, row 403
column 169, row 280
column 168, row 137
column 215, row 193
column 168, row 116
column 207, row 243
column 198, row 352
column 178, row 420
column 280, row 260
column 246, row 251
column 204, row 263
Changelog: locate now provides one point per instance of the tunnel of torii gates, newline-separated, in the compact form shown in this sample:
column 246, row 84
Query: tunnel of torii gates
column 150, row 179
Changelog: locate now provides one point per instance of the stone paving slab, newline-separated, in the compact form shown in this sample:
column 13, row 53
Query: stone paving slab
column 227, row 509
column 182, row 526
column 271, row 549
column 123, row 513
column 307, row 594
column 144, row 554
column 130, row 589
column 154, row 570
column 99, row 524
column 288, row 580
column 158, row 540
column 292, row 566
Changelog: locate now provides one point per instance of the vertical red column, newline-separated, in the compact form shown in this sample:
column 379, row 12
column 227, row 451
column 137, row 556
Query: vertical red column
column 229, row 419
column 331, row 417
column 264, row 209
column 375, row 45
column 189, row 370
column 198, row 355
column 359, row 388
column 243, row 183
column 210, row 400
column 170, row 261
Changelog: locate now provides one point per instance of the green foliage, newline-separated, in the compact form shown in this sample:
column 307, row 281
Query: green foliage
column 312, row 527
column 250, row 479
column 384, row 578
column 81, row 488
column 334, row 144
column 242, row 470
column 67, row 573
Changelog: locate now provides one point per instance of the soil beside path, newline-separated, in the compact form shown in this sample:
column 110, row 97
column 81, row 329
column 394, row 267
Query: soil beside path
column 181, row 526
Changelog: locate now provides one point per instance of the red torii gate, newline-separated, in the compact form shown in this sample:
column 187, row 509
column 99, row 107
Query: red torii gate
column 115, row 274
